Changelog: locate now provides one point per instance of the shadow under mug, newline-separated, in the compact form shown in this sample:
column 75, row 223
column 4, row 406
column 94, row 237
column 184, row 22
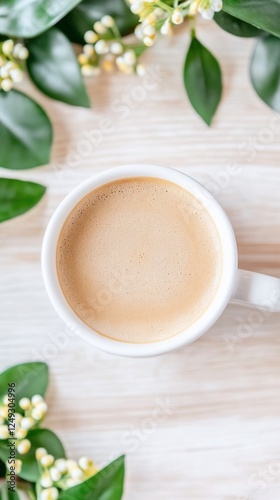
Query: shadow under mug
column 238, row 286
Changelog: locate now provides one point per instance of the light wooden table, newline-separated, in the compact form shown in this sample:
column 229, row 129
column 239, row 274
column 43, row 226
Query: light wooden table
column 219, row 437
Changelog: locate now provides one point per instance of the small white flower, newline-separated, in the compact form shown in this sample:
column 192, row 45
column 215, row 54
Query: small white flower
column 85, row 463
column 40, row 452
column 18, row 418
column 107, row 21
column 90, row 36
column 26, row 422
column 4, row 431
column 20, row 433
column 24, row 403
column 3, row 411
column 6, row 400
column 177, row 17
column 47, row 460
column 88, row 50
column 101, row 47
column 23, row 446
column 140, row 70
column 216, row 5
column 129, row 57
column 7, row 47
column 99, row 28
column 116, row 48
column 82, row 58
column 55, row 474
column 39, row 411
column 61, row 465
column 76, row 473
column 158, row 13
column 37, row 399
column 4, row 73
column 46, row 480
column 166, row 28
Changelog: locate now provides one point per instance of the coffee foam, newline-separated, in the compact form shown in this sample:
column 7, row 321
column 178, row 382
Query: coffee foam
column 139, row 260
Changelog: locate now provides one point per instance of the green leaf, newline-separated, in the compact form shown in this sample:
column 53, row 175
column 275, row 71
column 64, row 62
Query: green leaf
column 28, row 18
column 81, row 19
column 265, row 70
column 53, row 67
column 12, row 495
column 235, row 26
column 203, row 80
column 17, row 197
column 263, row 14
column 39, row 438
column 107, row 484
column 29, row 378
column 25, row 132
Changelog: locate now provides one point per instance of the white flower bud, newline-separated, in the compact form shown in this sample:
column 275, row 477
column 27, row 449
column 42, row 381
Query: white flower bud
column 206, row 13
column 99, row 28
column 24, row 446
column 166, row 28
column 177, row 17
column 49, row 494
column 140, row 70
column 107, row 21
column 27, row 422
column 47, row 460
column 82, row 58
column 39, row 411
column 137, row 7
column 71, row 464
column 7, row 47
column 88, row 50
column 37, row 399
column 20, row 433
column 71, row 482
column 6, row 400
column 148, row 41
column 149, row 30
column 46, row 480
column 76, row 473
column 24, row 403
column 129, row 57
column 4, row 73
column 216, row 5
column 61, row 465
column 101, row 47
column 55, row 474
column 4, row 431
column 90, row 36
column 116, row 48
column 23, row 53
column 138, row 32
column 40, row 452
column 85, row 463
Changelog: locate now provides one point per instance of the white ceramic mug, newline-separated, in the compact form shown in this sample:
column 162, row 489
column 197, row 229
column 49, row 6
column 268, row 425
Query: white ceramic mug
column 235, row 285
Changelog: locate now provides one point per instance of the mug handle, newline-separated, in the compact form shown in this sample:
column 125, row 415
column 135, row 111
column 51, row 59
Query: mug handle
column 258, row 290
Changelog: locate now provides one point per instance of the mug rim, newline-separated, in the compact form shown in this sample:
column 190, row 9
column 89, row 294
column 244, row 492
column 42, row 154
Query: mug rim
column 208, row 317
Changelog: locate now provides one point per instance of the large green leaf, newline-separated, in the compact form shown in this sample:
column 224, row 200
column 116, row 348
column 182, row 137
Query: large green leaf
column 53, row 67
column 25, row 132
column 264, row 14
column 17, row 197
column 107, row 484
column 265, row 70
column 81, row 19
column 29, row 379
column 28, row 18
column 39, row 438
column 235, row 26
column 203, row 80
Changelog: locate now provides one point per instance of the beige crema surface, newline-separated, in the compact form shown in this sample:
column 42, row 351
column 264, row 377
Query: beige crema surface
column 139, row 260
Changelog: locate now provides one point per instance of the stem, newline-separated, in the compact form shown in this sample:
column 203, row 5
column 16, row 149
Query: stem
column 163, row 6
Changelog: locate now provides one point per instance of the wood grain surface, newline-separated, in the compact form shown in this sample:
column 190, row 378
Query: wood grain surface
column 202, row 423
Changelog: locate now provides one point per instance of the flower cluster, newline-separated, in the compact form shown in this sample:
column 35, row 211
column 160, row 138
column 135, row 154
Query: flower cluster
column 12, row 57
column 34, row 411
column 105, row 49
column 61, row 474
